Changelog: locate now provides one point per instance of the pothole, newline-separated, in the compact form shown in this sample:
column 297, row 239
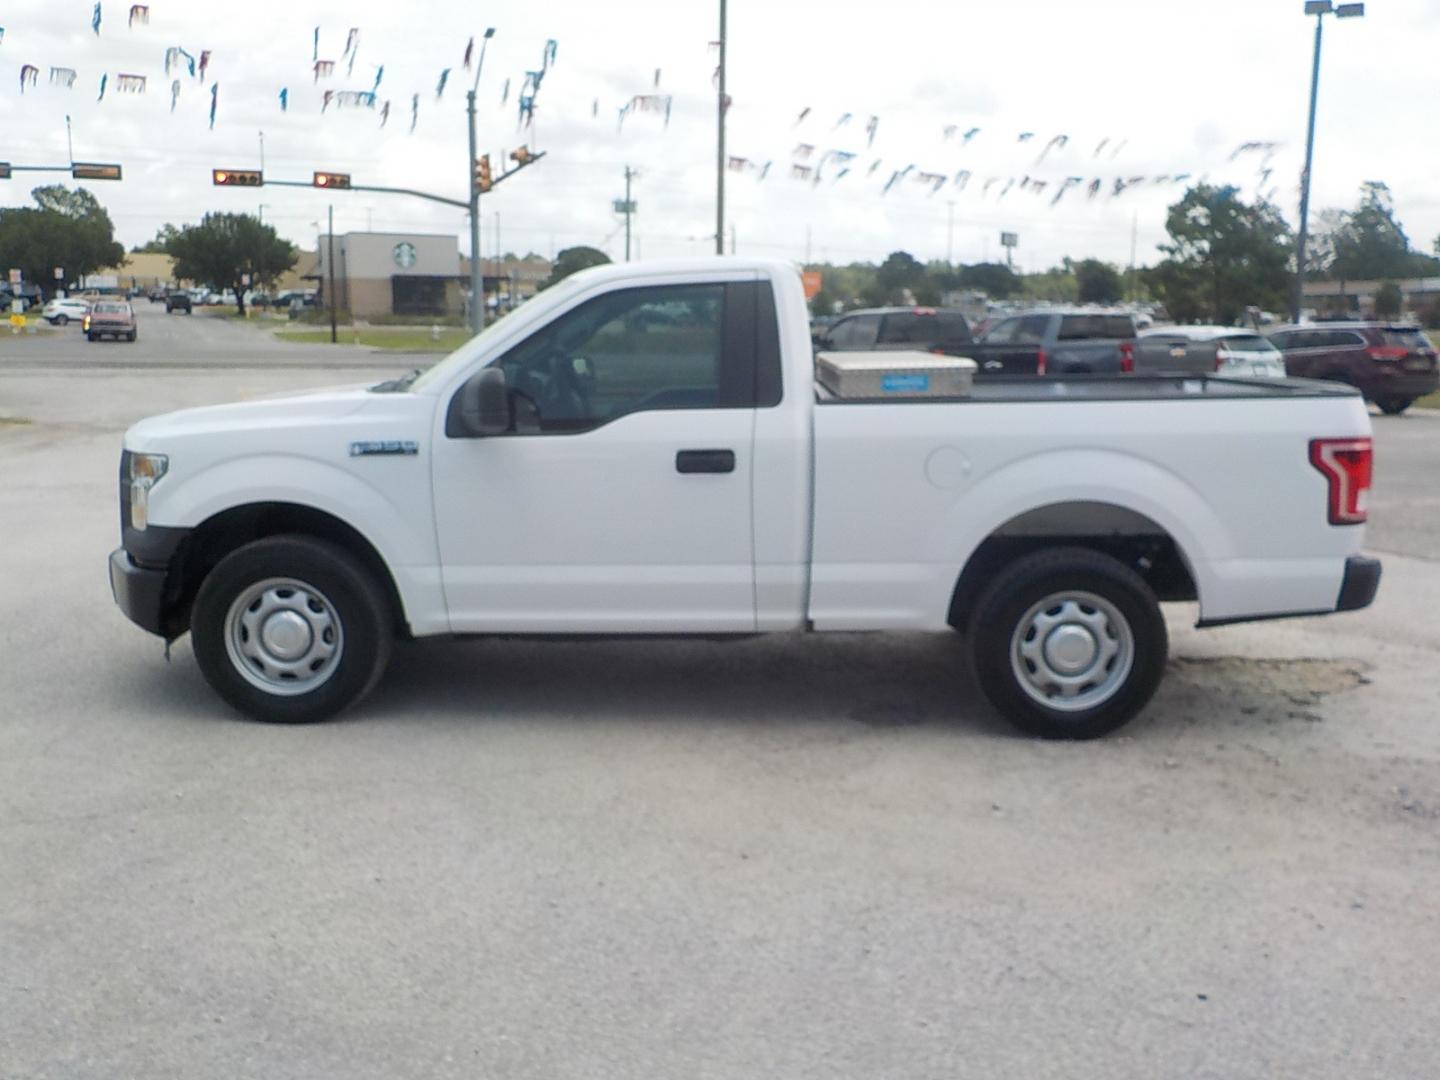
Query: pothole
column 1296, row 687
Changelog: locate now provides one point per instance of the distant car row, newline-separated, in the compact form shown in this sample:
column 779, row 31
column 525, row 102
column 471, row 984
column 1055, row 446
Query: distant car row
column 1391, row 364
column 184, row 299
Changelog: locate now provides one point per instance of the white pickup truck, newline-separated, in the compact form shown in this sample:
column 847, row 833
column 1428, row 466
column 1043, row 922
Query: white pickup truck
column 645, row 450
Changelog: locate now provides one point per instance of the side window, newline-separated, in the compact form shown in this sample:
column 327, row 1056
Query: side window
column 629, row 351
column 1032, row 330
column 1003, row 333
column 1282, row 341
column 856, row 332
column 909, row 329
column 1349, row 339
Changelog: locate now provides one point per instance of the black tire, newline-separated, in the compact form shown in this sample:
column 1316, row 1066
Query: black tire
column 62, row 320
column 1013, row 600
column 1394, row 406
column 353, row 604
column 130, row 337
column 89, row 337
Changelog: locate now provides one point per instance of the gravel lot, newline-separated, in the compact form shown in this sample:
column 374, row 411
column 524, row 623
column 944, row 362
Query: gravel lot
column 801, row 857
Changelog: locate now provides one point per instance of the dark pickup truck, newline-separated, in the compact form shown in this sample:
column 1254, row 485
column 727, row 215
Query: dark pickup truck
column 1057, row 342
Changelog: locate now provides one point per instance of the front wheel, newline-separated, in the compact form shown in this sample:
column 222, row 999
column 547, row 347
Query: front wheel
column 1068, row 643
column 290, row 629
column 62, row 320
column 1394, row 406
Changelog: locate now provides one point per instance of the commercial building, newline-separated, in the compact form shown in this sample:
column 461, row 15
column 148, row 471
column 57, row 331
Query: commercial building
column 392, row 274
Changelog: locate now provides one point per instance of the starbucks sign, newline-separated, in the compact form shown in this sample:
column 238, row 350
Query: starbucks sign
column 404, row 255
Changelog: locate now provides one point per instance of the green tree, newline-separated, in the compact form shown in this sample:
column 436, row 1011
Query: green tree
column 1389, row 300
column 995, row 280
column 1097, row 282
column 900, row 274
column 66, row 229
column 1223, row 256
column 1368, row 244
column 572, row 260
column 224, row 248
column 160, row 245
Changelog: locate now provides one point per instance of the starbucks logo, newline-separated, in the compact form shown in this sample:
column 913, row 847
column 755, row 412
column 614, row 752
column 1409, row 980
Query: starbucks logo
column 404, row 255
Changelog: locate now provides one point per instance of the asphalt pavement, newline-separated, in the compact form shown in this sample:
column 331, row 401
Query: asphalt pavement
column 791, row 857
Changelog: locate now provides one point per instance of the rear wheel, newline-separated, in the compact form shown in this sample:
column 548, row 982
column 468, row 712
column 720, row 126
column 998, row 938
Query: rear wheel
column 290, row 629
column 1068, row 643
column 1394, row 406
column 89, row 337
column 62, row 320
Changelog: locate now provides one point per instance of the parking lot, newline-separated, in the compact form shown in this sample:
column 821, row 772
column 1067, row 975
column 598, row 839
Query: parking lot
column 796, row 857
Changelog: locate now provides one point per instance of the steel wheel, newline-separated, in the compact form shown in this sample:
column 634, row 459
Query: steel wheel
column 284, row 636
column 1072, row 651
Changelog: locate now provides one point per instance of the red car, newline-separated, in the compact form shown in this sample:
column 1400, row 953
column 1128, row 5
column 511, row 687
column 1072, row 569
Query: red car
column 1391, row 364
column 115, row 318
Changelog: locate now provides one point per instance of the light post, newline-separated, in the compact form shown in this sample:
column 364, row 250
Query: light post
column 1318, row 8
column 720, row 162
column 477, row 276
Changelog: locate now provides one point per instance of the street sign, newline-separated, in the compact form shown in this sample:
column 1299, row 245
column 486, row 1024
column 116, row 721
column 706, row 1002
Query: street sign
column 59, row 273
column 625, row 206
column 90, row 170
column 1009, row 239
column 244, row 279
column 814, row 281
column 15, row 277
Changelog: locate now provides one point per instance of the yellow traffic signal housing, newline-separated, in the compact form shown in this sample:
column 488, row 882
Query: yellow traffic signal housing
column 521, row 156
column 483, row 180
column 82, row 170
column 332, row 180
column 237, row 177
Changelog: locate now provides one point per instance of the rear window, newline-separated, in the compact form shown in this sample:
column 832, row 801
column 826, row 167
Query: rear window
column 923, row 329
column 1088, row 327
column 1247, row 343
column 1413, row 340
column 110, row 309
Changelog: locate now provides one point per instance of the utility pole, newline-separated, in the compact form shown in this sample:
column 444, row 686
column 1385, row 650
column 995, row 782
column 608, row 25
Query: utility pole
column 732, row 239
column 950, row 235
column 629, row 209
column 720, row 147
column 1134, row 247
column 477, row 277
column 330, row 265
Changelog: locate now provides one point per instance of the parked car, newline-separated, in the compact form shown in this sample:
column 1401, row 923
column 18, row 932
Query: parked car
column 110, row 318
column 1392, row 364
column 295, row 538
column 1204, row 350
column 937, row 330
column 29, row 296
column 178, row 301
column 156, row 295
column 61, row 311
column 1058, row 342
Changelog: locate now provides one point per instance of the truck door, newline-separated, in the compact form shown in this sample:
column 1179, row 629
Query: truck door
column 621, row 499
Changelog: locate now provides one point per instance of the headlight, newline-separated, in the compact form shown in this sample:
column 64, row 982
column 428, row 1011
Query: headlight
column 145, row 472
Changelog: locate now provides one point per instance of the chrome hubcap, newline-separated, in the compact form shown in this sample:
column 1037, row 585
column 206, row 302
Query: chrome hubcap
column 284, row 636
column 1072, row 651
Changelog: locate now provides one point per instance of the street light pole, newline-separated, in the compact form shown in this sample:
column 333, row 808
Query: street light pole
column 1318, row 8
column 720, row 147
column 477, row 276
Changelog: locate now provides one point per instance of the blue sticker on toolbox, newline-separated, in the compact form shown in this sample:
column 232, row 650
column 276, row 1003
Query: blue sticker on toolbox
column 905, row 384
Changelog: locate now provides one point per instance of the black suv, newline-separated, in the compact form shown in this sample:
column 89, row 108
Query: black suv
column 937, row 330
column 177, row 301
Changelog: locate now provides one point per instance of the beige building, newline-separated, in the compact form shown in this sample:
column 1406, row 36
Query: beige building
column 392, row 274
column 1421, row 295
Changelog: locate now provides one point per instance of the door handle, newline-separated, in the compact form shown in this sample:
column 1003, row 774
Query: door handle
column 705, row 461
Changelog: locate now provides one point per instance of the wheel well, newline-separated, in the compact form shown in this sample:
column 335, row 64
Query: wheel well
column 218, row 536
column 1132, row 538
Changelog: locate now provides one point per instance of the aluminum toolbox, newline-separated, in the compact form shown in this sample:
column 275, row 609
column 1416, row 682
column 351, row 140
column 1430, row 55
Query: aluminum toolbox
column 872, row 375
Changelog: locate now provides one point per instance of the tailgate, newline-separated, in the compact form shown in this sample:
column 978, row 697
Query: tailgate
column 995, row 360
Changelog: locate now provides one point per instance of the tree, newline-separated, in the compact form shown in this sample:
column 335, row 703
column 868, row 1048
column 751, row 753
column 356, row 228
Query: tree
column 160, row 245
column 1369, row 243
column 572, row 260
column 1223, row 256
column 995, row 280
column 900, row 276
column 66, row 229
column 224, row 248
column 1098, row 282
column 1389, row 300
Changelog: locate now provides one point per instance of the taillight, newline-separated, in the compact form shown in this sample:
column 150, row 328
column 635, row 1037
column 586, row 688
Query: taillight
column 1127, row 358
column 1040, row 362
column 1219, row 357
column 1348, row 464
column 1387, row 352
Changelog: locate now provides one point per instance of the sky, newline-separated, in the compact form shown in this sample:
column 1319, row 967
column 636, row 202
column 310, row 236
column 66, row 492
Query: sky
column 1139, row 88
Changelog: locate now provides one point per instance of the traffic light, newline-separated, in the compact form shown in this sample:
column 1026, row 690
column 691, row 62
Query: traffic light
column 91, row 171
column 483, row 180
column 332, row 180
column 4, row 170
column 521, row 156
column 237, row 177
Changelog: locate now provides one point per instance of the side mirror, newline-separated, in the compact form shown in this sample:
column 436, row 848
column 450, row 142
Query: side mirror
column 485, row 403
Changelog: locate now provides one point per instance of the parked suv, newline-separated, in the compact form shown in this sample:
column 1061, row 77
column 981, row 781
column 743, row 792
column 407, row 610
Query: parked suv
column 1206, row 350
column 61, row 311
column 1058, row 342
column 927, row 329
column 1391, row 364
column 178, row 301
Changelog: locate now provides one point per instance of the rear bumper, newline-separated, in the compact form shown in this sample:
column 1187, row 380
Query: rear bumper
column 1403, row 384
column 1360, row 584
column 139, row 591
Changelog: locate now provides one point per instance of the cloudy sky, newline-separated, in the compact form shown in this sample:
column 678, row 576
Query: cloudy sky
column 1168, row 88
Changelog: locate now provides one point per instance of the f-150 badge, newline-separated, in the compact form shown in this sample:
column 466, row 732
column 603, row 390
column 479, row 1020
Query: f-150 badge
column 392, row 447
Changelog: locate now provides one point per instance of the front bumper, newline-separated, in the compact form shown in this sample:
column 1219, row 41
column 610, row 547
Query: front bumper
column 139, row 591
